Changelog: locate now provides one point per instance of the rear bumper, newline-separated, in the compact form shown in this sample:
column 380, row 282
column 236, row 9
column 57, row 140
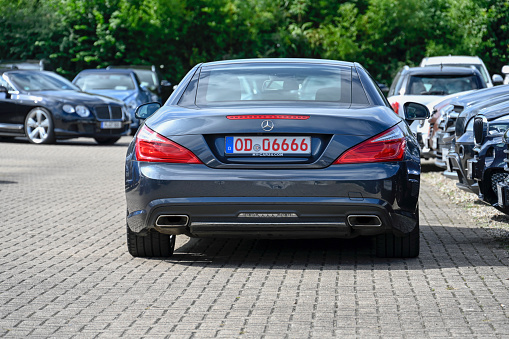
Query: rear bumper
column 336, row 202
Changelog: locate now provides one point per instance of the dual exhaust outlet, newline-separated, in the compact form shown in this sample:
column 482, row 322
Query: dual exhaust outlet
column 180, row 221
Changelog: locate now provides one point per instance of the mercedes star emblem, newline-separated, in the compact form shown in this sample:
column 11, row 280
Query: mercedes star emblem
column 267, row 125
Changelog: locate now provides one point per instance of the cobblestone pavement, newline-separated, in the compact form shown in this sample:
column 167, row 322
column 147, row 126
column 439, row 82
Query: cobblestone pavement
column 65, row 271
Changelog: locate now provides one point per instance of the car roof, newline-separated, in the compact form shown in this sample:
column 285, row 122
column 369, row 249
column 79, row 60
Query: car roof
column 133, row 67
column 452, row 59
column 280, row 60
column 441, row 70
column 16, row 70
column 110, row 71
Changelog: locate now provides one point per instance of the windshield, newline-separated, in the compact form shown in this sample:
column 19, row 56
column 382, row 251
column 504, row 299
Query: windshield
column 245, row 83
column 40, row 81
column 440, row 85
column 105, row 81
column 478, row 67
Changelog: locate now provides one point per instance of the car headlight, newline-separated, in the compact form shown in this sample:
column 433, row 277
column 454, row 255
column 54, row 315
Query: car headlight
column 497, row 129
column 68, row 109
column 132, row 104
column 82, row 111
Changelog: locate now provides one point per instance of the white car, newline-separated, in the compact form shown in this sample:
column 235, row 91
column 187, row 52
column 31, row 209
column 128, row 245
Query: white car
column 428, row 85
column 464, row 61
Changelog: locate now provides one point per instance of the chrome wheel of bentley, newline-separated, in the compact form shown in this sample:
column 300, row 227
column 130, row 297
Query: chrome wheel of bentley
column 39, row 126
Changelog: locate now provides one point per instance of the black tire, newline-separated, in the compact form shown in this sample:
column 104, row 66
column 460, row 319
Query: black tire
column 154, row 244
column 39, row 128
column 106, row 140
column 391, row 246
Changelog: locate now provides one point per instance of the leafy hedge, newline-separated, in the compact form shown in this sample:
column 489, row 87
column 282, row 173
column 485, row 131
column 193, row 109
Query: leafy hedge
column 383, row 35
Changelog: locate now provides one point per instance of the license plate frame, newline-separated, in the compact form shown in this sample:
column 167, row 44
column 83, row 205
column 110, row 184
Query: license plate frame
column 268, row 146
column 111, row 124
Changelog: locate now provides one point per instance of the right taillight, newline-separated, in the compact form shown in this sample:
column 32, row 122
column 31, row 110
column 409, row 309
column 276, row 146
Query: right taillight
column 386, row 146
column 153, row 147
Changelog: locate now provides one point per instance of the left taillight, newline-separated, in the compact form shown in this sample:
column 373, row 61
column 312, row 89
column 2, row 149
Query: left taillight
column 395, row 107
column 386, row 146
column 153, row 147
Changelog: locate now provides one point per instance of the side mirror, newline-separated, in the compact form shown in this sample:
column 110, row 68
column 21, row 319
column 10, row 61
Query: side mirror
column 415, row 111
column 6, row 91
column 505, row 69
column 497, row 79
column 146, row 110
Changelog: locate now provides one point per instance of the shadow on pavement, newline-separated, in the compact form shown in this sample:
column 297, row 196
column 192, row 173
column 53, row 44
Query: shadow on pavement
column 460, row 250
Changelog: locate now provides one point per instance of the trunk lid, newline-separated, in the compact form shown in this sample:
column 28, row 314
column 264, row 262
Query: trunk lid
column 329, row 131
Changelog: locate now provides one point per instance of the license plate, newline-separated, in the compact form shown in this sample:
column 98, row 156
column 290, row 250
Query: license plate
column 448, row 163
column 272, row 146
column 470, row 169
column 445, row 151
column 111, row 124
column 500, row 195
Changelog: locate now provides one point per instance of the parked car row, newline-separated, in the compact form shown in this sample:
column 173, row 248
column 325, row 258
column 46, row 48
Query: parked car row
column 98, row 103
column 469, row 117
column 470, row 137
column 439, row 82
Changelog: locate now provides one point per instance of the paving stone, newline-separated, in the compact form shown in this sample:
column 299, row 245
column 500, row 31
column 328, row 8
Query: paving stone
column 65, row 270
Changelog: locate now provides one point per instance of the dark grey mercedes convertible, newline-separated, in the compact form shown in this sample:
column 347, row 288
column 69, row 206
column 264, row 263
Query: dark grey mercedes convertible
column 290, row 148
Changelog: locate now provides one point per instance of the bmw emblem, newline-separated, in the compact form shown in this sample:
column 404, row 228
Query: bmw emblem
column 267, row 125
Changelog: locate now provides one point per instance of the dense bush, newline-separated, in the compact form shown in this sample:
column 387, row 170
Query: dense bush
column 383, row 35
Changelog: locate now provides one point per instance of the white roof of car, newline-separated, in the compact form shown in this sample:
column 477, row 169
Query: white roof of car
column 451, row 59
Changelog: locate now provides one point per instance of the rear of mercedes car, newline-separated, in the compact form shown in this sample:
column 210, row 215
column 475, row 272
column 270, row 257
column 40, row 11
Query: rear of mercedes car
column 268, row 148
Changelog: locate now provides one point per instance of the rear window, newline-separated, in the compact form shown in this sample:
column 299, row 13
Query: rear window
column 441, row 85
column 248, row 83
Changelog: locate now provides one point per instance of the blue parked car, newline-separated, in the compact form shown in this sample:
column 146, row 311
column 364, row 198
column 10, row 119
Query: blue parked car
column 120, row 84
column 462, row 145
column 274, row 148
column 487, row 166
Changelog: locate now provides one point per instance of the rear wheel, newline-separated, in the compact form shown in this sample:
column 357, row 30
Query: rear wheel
column 391, row 246
column 154, row 244
column 106, row 140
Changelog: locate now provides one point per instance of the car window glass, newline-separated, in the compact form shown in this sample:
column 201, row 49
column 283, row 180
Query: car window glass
column 39, row 81
column 104, row 81
column 440, row 85
column 264, row 82
column 478, row 67
column 147, row 78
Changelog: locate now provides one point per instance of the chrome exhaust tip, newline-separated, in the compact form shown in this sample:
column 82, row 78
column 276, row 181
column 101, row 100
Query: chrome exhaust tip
column 172, row 220
column 364, row 220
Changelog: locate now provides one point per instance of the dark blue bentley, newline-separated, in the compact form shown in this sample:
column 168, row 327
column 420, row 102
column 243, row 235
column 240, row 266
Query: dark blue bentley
column 293, row 148
column 44, row 106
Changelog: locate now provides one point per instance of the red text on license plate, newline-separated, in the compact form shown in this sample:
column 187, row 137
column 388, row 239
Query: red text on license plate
column 268, row 146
